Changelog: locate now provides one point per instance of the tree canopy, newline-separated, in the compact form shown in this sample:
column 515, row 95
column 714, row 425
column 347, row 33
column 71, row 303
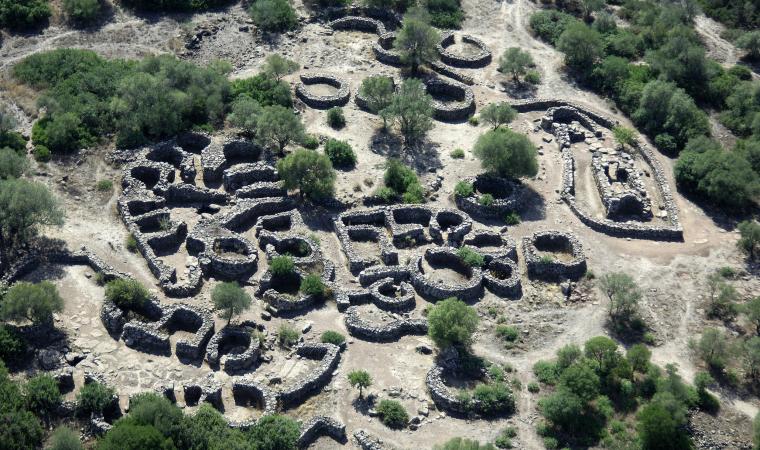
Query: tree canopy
column 452, row 322
column 416, row 41
column 507, row 153
column 310, row 172
column 230, row 298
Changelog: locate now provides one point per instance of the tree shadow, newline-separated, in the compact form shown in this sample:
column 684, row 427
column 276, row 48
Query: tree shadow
column 364, row 404
column 423, row 156
column 519, row 90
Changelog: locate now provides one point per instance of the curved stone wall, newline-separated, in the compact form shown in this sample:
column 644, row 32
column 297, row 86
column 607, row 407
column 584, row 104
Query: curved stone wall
column 453, row 111
column 553, row 268
column 477, row 60
column 514, row 202
column 472, row 289
column 340, row 98
column 391, row 331
column 502, row 277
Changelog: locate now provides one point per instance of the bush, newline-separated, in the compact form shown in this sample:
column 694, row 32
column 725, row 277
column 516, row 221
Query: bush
column 402, row 181
column 470, row 257
column 463, row 444
column 127, row 435
column 273, row 15
column 104, row 185
column 581, row 45
column 311, row 142
column 546, row 372
column 550, row 24
column 340, row 153
column 533, row 387
column 12, row 344
column 457, row 153
column 412, row 109
column 41, row 153
column 312, row 285
column 464, row 189
column 749, row 242
column 95, row 398
column 495, row 398
column 486, row 199
column 309, row 172
column 127, row 293
column 174, row 5
column 264, row 89
column 507, row 332
column 42, row 394
column 498, row 114
column 82, row 11
column 533, row 77
column 512, row 218
column 386, row 194
column 282, row 266
column 287, row 336
column 12, row 165
column 35, row 302
column 274, row 432
column 392, row 413
column 474, row 121
column 230, row 298
column 65, row 438
column 335, row 117
column 452, row 322
column 506, row 153
column 131, row 243
column 378, row 91
column 333, row 337
column 22, row 14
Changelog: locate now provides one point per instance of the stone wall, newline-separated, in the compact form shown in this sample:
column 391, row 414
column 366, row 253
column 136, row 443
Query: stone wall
column 386, row 332
column 321, row 426
column 477, row 60
column 515, row 201
column 451, row 111
column 554, row 268
column 340, row 98
column 470, row 290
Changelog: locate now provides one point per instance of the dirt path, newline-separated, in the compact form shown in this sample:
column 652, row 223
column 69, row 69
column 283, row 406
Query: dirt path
column 718, row 48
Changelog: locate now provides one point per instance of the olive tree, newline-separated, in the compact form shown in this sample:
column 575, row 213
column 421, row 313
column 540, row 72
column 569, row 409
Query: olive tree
column 515, row 61
column 360, row 379
column 273, row 15
column 452, row 322
column 279, row 126
column 245, row 113
column 82, row 11
column 506, row 153
column 749, row 242
column 310, row 172
column 624, row 296
column 278, row 66
column 416, row 41
column 498, row 114
column 378, row 92
column 230, row 298
column 12, row 165
column 412, row 108
column 33, row 302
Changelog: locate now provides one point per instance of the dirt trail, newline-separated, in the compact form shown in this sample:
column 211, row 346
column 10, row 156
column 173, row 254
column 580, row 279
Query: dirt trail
column 718, row 48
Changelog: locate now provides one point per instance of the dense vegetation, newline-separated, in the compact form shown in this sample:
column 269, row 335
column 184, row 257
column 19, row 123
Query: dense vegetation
column 736, row 14
column 174, row 5
column 22, row 14
column 666, row 96
column 595, row 390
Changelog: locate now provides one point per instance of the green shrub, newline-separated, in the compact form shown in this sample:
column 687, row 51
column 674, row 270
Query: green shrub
column 287, row 336
column 464, row 189
column 42, row 394
column 273, row 15
column 12, row 344
column 104, row 185
column 486, row 199
column 470, row 257
column 340, row 153
column 546, row 372
column 281, row 266
column 550, row 24
column 335, row 117
column 392, row 413
column 65, row 438
column 31, row 301
column 12, row 139
column 312, row 285
column 265, row 89
column 333, row 337
column 512, row 218
column 386, row 194
column 533, row 77
column 95, row 398
column 174, row 5
column 274, row 432
column 41, row 153
column 230, row 298
column 474, row 121
column 12, row 165
column 131, row 243
column 507, row 332
column 82, row 11
column 414, row 194
column 457, row 153
column 127, row 293
column 533, row 387
column 23, row 14
column 452, row 322
column 495, row 398
column 506, row 153
column 311, row 142
column 309, row 172
column 727, row 272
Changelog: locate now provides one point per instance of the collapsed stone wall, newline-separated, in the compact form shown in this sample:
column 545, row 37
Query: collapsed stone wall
column 328, row 356
column 340, row 98
column 672, row 231
column 319, row 426
column 631, row 197
column 233, row 362
column 502, row 277
column 390, row 331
